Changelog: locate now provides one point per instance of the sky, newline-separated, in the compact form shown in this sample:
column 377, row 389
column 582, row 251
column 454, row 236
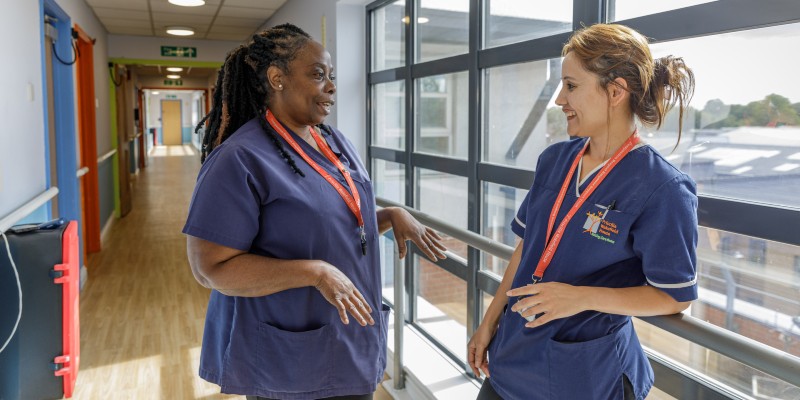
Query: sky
column 736, row 68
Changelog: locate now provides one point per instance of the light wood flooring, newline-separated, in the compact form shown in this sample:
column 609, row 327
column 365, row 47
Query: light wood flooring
column 141, row 310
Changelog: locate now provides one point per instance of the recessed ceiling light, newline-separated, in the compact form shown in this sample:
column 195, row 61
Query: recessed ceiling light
column 174, row 69
column 173, row 76
column 188, row 3
column 180, row 31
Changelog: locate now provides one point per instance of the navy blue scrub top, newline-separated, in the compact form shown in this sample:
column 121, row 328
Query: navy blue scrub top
column 648, row 238
column 290, row 344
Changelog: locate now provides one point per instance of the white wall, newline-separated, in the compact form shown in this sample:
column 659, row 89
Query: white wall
column 149, row 48
column 81, row 14
column 345, row 39
column 22, row 151
column 187, row 98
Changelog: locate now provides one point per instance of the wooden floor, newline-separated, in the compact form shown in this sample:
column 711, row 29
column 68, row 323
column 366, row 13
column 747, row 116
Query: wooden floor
column 141, row 310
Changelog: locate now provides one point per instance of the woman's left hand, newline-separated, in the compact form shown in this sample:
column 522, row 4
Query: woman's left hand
column 406, row 227
column 553, row 300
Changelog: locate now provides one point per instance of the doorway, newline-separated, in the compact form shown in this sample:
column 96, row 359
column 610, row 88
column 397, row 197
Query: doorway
column 58, row 58
column 171, row 122
column 90, row 193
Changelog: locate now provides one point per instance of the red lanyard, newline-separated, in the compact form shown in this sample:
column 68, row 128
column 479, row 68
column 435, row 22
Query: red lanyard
column 551, row 244
column 353, row 201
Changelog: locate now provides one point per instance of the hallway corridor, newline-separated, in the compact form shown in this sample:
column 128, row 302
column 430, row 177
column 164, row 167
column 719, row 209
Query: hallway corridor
column 142, row 311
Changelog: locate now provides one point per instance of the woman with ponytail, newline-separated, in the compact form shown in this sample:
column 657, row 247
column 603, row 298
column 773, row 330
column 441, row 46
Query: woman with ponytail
column 607, row 231
column 283, row 228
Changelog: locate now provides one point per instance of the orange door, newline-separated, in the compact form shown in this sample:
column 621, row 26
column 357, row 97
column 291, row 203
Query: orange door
column 90, row 194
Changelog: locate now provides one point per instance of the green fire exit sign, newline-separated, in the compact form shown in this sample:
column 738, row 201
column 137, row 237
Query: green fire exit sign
column 175, row 51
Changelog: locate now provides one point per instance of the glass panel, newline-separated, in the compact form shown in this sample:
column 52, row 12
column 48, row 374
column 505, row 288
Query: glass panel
column 500, row 205
column 442, row 28
column 512, row 21
column 389, row 37
column 442, row 115
column 748, row 382
column 386, row 248
column 749, row 286
column 389, row 115
column 522, row 117
column 444, row 196
column 746, row 138
column 389, row 179
column 442, row 306
column 619, row 10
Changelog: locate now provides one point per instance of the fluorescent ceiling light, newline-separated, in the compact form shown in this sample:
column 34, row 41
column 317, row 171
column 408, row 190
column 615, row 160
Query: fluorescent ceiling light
column 174, row 69
column 188, row 3
column 173, row 76
column 154, row 93
column 180, row 31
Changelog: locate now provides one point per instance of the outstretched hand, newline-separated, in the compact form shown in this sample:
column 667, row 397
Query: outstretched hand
column 406, row 227
column 338, row 290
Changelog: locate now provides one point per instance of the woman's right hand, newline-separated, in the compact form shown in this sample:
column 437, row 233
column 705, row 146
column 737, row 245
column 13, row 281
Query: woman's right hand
column 477, row 349
column 338, row 290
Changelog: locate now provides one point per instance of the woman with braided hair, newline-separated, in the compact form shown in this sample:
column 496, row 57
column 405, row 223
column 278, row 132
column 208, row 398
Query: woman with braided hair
column 607, row 231
column 283, row 227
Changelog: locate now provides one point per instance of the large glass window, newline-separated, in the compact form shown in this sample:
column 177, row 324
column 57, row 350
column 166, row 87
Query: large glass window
column 389, row 180
column 389, row 37
column 511, row 21
column 442, row 110
column 387, row 251
column 739, row 379
column 741, row 136
column 389, row 115
column 442, row 28
column 625, row 9
column 442, row 306
column 521, row 117
column 500, row 205
column 443, row 196
column 740, row 142
column 749, row 286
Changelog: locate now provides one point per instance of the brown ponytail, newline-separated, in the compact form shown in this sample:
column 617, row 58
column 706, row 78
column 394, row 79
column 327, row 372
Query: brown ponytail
column 615, row 51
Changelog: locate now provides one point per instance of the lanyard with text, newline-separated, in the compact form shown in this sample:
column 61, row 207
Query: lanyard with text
column 551, row 244
column 353, row 201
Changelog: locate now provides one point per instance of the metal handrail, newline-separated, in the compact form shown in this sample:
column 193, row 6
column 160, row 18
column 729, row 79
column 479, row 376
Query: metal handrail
column 106, row 156
column 757, row 355
column 23, row 211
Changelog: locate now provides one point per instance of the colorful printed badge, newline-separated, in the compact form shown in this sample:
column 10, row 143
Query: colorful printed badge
column 599, row 227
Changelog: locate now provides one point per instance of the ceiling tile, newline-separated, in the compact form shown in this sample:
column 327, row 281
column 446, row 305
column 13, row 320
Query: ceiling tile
column 231, row 29
column 249, row 22
column 241, row 12
column 125, row 23
column 164, row 7
column 228, row 36
column 103, row 12
column 194, row 21
column 273, row 4
column 130, row 31
column 119, row 4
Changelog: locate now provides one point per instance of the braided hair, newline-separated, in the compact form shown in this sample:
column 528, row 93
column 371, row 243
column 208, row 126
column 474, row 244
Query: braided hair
column 242, row 89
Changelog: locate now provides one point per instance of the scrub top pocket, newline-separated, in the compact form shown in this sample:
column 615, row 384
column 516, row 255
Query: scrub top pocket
column 299, row 361
column 588, row 370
